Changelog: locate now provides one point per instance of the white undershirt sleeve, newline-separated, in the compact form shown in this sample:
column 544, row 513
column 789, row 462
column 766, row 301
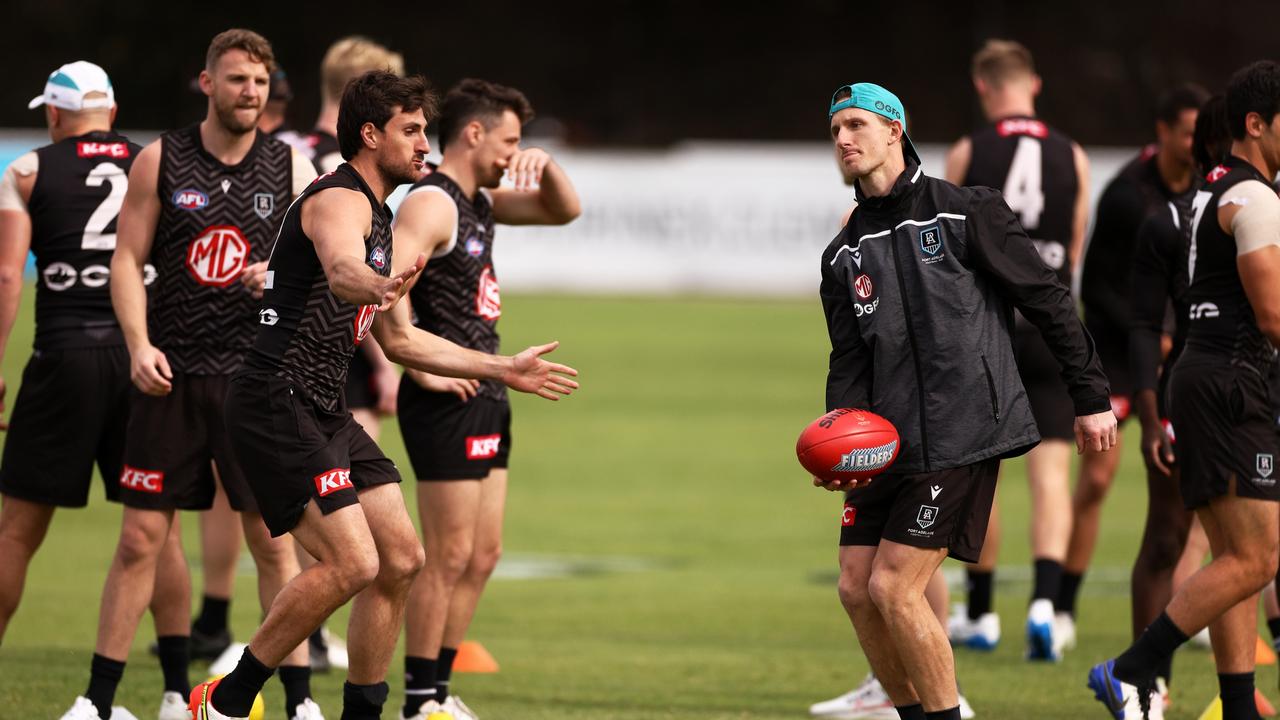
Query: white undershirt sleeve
column 10, row 198
column 303, row 172
column 1257, row 223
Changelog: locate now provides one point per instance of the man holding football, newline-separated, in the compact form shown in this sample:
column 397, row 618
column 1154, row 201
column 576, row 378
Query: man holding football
column 918, row 291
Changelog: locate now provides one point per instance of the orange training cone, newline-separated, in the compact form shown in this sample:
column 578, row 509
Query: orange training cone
column 1265, row 709
column 473, row 658
column 1264, row 655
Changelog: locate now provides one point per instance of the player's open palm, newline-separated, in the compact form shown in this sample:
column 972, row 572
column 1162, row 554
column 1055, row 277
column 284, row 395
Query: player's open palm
column 149, row 369
column 397, row 285
column 531, row 374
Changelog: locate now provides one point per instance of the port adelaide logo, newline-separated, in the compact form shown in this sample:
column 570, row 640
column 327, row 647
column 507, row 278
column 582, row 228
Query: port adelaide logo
column 264, row 204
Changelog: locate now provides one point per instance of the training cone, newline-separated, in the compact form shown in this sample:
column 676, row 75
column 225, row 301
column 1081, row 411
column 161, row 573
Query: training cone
column 473, row 658
column 1214, row 711
column 1265, row 708
column 1264, row 655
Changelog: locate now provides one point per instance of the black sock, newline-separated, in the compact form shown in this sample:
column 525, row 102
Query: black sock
column 297, row 686
column 419, row 683
column 1236, row 691
column 444, row 669
column 910, row 712
column 213, row 616
column 1138, row 664
column 175, row 655
column 979, row 593
column 363, row 702
column 1048, row 580
column 1166, row 671
column 1068, row 589
column 317, row 640
column 104, row 678
column 234, row 695
column 952, row 714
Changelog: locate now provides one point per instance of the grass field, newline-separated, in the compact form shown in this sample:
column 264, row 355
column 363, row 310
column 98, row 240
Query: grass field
column 706, row 561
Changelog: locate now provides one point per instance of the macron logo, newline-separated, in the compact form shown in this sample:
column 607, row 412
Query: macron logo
column 483, row 447
column 148, row 481
column 934, row 491
column 331, row 481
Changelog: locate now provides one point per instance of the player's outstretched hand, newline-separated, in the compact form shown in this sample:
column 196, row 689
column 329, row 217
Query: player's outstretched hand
column 840, row 485
column 394, row 287
column 1095, row 432
column 530, row 373
column 525, row 168
column 149, row 369
column 464, row 388
column 254, row 279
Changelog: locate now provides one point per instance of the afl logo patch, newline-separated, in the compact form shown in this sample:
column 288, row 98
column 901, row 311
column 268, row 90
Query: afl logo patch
column 475, row 248
column 378, row 258
column 862, row 285
column 190, row 199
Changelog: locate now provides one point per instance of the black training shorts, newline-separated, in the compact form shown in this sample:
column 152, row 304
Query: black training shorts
column 70, row 413
column 448, row 439
column 947, row 508
column 295, row 452
column 1226, row 429
column 170, row 443
column 1051, row 404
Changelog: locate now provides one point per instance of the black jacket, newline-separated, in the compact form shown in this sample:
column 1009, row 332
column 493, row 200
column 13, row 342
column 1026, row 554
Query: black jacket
column 919, row 290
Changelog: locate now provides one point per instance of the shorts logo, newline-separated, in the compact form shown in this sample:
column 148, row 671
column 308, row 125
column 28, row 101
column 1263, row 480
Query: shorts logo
column 218, row 256
column 190, row 199
column 483, row 447
column 331, row 481
column 148, row 481
column 1264, row 465
column 475, row 248
column 868, row 459
column 264, row 204
column 934, row 491
column 1120, row 406
column 488, row 299
column 849, row 516
column 378, row 258
column 926, row 517
column 931, row 240
column 863, row 287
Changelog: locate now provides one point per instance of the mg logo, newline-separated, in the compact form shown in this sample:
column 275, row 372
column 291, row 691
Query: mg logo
column 331, row 481
column 148, row 481
column 862, row 285
column 218, row 256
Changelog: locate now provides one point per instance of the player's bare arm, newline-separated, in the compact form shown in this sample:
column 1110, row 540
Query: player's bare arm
column 424, row 225
column 337, row 220
column 543, row 193
column 15, row 243
column 957, row 162
column 420, row 350
column 1080, row 215
column 136, row 229
column 1254, row 220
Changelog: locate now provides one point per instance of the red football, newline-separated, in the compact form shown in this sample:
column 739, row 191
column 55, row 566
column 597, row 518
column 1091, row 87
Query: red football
column 848, row 443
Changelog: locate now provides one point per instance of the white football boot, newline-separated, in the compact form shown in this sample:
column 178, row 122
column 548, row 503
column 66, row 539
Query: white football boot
column 173, row 707
column 425, row 710
column 458, row 709
column 868, row 701
column 981, row 634
column 1042, row 641
column 307, row 710
column 84, row 709
column 1064, row 630
column 966, row 710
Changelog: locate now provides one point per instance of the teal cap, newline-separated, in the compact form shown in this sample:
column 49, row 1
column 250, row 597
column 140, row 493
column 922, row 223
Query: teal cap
column 875, row 99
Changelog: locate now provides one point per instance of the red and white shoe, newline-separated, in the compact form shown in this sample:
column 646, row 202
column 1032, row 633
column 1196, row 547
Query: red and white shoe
column 200, row 706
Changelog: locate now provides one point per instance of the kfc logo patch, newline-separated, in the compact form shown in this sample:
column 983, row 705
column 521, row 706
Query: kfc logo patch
column 483, row 447
column 218, row 256
column 849, row 516
column 116, row 150
column 488, row 299
column 331, row 481
column 148, row 481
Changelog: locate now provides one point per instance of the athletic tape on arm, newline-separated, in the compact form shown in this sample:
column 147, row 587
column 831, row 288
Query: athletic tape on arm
column 1257, row 223
column 10, row 198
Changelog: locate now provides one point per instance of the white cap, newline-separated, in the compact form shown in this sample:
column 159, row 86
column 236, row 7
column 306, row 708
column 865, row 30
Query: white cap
column 68, row 84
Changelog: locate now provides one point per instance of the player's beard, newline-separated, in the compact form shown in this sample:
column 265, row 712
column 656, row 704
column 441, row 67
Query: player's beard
column 234, row 123
column 395, row 174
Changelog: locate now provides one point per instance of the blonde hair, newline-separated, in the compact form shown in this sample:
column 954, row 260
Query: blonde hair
column 256, row 46
column 1002, row 60
column 350, row 58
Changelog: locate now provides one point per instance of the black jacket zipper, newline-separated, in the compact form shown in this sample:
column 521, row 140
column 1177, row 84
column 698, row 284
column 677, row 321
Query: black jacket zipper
column 991, row 387
column 915, row 352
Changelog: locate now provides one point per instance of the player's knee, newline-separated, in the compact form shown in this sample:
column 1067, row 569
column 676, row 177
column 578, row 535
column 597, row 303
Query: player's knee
column 139, row 543
column 854, row 594
column 886, row 590
column 452, row 559
column 1262, row 561
column 403, row 563
column 358, row 570
column 1162, row 552
column 484, row 561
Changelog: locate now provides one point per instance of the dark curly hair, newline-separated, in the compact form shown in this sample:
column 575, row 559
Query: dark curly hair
column 481, row 100
column 373, row 98
column 1253, row 89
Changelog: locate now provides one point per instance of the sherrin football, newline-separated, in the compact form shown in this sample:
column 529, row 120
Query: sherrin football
column 848, row 443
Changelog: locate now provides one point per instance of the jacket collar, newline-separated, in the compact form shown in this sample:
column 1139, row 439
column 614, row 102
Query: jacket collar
column 903, row 188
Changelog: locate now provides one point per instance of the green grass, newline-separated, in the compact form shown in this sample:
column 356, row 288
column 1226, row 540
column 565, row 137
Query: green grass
column 677, row 456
